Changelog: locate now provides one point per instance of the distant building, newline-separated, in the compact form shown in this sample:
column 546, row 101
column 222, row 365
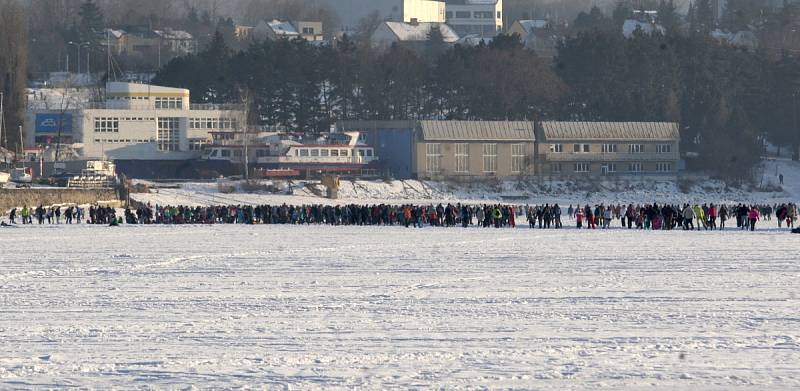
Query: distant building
column 134, row 122
column 276, row 29
column 351, row 12
column 389, row 33
column 481, row 17
column 537, row 35
column 631, row 26
column 178, row 41
column 242, row 33
column 575, row 149
column 473, row 149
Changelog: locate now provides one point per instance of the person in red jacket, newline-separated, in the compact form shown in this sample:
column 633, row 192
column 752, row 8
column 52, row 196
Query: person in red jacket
column 712, row 217
column 753, row 216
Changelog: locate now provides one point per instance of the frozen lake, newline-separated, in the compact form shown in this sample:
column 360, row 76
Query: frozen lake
column 343, row 307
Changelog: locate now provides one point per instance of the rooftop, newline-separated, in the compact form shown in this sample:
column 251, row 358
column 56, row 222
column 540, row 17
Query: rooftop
column 477, row 130
column 656, row 131
column 420, row 31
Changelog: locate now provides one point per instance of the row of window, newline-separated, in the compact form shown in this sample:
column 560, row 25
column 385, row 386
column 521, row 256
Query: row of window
column 472, row 15
column 169, row 103
column 121, row 141
column 327, row 152
column 609, row 168
column 610, row 148
column 213, row 123
column 106, row 125
column 433, row 158
column 127, row 98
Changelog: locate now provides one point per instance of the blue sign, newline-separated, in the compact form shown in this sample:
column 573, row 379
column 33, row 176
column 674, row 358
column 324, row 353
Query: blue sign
column 49, row 123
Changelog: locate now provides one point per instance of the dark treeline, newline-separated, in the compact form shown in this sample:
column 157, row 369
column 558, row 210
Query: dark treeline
column 726, row 99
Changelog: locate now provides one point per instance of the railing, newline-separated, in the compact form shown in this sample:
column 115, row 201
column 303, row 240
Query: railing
column 316, row 159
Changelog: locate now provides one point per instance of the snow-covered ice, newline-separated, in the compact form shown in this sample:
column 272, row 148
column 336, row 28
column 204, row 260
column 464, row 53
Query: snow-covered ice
column 315, row 307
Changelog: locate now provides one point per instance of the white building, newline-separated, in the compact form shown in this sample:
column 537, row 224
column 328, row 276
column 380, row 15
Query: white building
column 352, row 12
column 391, row 32
column 134, row 122
column 481, row 17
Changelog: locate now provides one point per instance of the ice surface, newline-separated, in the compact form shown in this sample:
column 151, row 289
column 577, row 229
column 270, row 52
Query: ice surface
column 380, row 307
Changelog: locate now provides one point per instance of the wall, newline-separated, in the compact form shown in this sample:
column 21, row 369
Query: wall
column 17, row 198
column 475, row 160
column 596, row 158
column 423, row 11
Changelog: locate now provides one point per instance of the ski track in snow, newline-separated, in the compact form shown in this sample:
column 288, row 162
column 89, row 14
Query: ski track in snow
column 317, row 307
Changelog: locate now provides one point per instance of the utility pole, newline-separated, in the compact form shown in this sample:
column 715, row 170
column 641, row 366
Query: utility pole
column 2, row 117
column 796, row 146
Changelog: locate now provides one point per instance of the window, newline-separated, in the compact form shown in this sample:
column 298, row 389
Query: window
column 609, row 148
column 636, row 148
column 226, row 153
column 315, row 152
column 580, row 148
column 168, row 134
column 517, row 158
column 343, row 152
column 555, row 168
column 581, row 167
column 303, row 152
column 462, row 15
column 608, row 168
column 448, row 15
column 663, row 148
column 323, row 152
column 482, row 14
column 499, row 14
column 557, row 148
column 106, row 125
column 462, row 157
column 433, row 158
column 369, row 152
column 168, row 103
column 490, row 158
column 308, row 30
column 635, row 167
column 334, row 153
column 362, row 153
column 664, row 167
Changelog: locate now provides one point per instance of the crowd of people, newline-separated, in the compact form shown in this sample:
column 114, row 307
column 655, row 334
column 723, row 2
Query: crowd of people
column 647, row 217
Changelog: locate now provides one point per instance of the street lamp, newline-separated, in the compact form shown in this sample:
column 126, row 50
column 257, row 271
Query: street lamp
column 78, row 45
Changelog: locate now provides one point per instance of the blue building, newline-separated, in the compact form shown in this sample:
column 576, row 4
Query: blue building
column 393, row 142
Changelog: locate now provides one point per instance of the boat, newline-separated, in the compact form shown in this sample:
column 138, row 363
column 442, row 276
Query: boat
column 287, row 155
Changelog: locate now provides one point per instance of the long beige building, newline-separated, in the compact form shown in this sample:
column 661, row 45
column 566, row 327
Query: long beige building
column 473, row 149
column 579, row 149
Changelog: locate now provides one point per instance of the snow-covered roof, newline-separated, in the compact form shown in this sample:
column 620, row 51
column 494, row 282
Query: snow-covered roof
column 533, row 24
column 174, row 34
column 282, row 28
column 742, row 38
column 121, row 88
column 630, row 26
column 655, row 131
column 474, row 40
column 420, row 31
column 116, row 33
column 477, row 130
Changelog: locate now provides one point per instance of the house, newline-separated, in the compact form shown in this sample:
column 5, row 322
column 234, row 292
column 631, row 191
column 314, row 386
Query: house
column 277, row 29
column 473, row 149
column 480, row 17
column 351, row 13
column 389, row 33
column 574, row 149
column 243, row 33
column 178, row 41
column 537, row 35
column 630, row 26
